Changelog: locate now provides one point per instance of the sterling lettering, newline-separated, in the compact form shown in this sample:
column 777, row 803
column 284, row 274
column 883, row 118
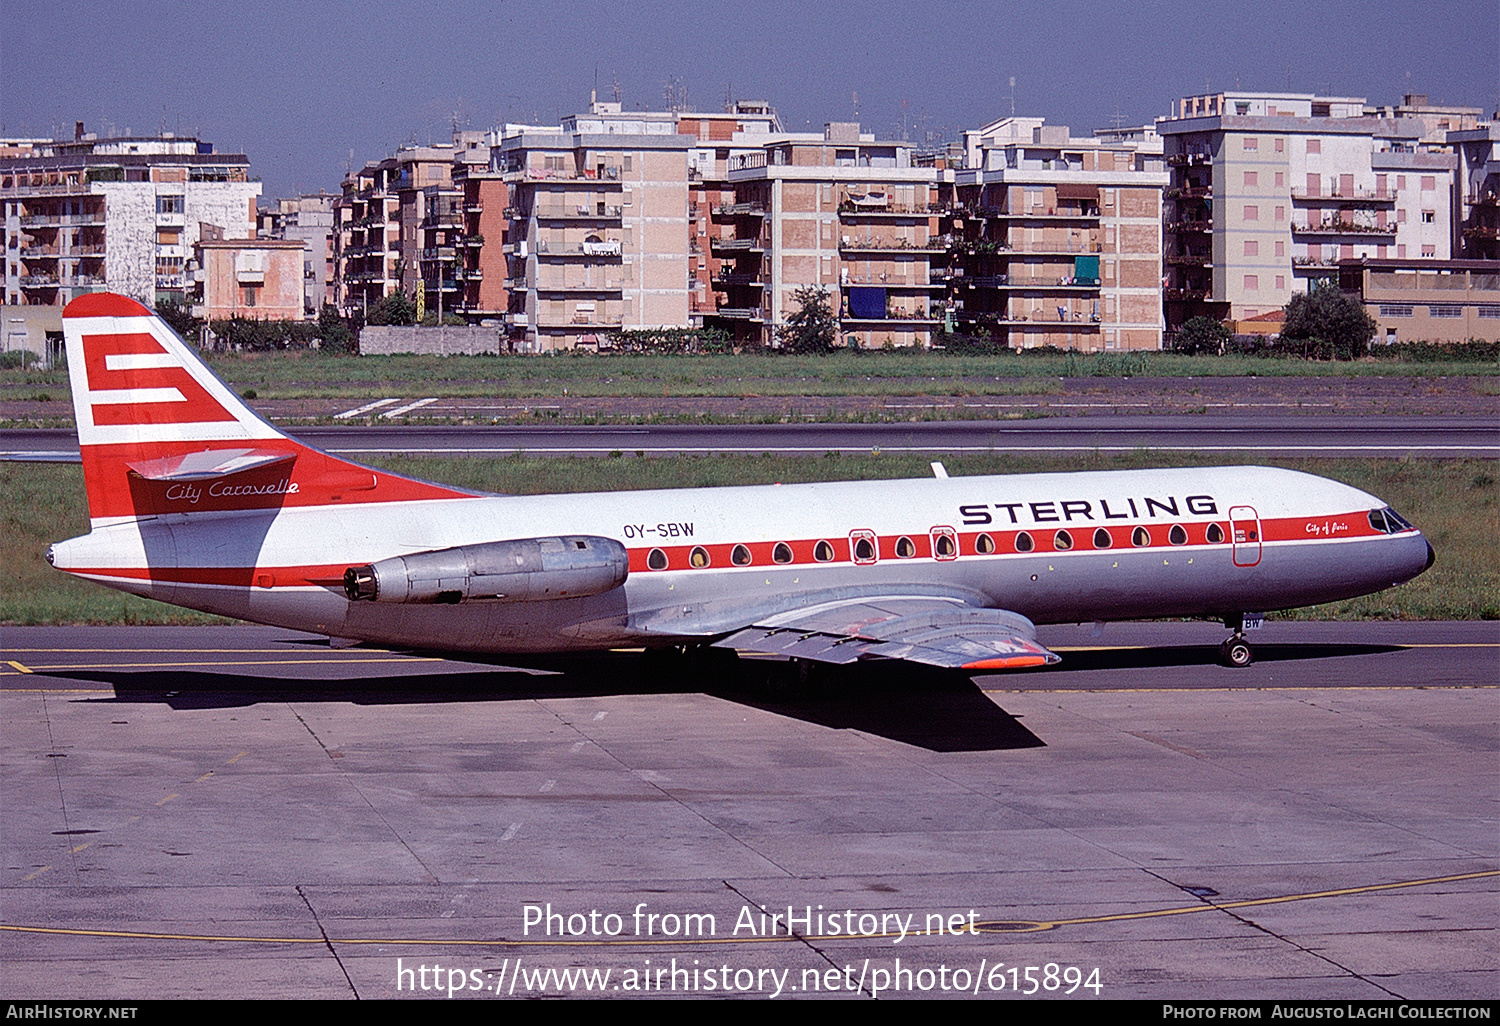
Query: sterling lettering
column 220, row 490
column 1071, row 510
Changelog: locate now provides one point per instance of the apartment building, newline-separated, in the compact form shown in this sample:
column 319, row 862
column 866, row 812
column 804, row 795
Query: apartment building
column 841, row 211
column 480, row 260
column 722, row 137
column 307, row 219
column 397, row 222
column 598, row 233
column 1270, row 191
column 258, row 279
column 122, row 214
column 1057, row 241
column 1478, row 235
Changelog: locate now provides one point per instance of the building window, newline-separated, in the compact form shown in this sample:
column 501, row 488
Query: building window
column 1489, row 311
column 1445, row 310
column 1315, row 146
column 1429, row 183
column 1252, row 144
column 1252, row 179
column 1429, row 251
column 1281, row 213
column 1429, row 216
column 1401, row 217
column 1280, row 147
column 1252, row 282
column 251, row 294
column 1252, row 248
column 1280, row 282
column 1281, row 249
column 1252, row 212
column 169, row 204
column 1395, row 310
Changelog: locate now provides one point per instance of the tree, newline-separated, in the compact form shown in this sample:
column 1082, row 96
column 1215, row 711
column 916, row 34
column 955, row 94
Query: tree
column 333, row 332
column 1202, row 335
column 1327, row 323
column 812, row 328
column 397, row 308
column 179, row 319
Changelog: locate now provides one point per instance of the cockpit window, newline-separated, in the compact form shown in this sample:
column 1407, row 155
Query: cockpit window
column 1388, row 521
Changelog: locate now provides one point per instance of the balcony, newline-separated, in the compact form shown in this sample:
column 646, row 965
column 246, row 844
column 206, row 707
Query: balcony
column 1186, row 295
column 718, row 246
column 893, row 317
column 857, row 211
column 738, row 313
column 1189, row 227
column 724, row 281
column 538, row 174
column 883, row 247
column 604, row 248
column 1189, row 259
column 1356, row 197
column 1006, row 281
column 583, row 287
column 1189, row 159
column 581, row 212
column 731, row 210
column 1342, row 228
column 1190, row 192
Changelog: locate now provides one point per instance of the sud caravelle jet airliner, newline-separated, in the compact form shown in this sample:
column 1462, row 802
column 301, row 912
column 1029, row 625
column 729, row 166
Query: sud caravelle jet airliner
column 195, row 500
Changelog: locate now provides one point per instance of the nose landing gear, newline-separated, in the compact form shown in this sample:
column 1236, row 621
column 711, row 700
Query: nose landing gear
column 1236, row 652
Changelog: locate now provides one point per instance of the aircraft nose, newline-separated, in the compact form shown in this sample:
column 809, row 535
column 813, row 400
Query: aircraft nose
column 1431, row 556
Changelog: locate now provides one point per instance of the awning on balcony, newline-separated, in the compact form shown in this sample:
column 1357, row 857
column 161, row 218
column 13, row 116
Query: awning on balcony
column 867, row 302
column 1075, row 191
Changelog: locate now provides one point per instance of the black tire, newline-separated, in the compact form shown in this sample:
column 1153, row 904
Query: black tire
column 1236, row 653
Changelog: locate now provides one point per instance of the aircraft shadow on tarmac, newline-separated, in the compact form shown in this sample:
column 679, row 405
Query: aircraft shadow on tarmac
column 939, row 710
column 932, row 709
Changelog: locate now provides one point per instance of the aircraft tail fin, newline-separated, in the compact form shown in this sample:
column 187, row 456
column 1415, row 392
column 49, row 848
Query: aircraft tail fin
column 160, row 432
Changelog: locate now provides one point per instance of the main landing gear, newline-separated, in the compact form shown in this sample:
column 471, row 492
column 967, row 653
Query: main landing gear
column 1236, row 651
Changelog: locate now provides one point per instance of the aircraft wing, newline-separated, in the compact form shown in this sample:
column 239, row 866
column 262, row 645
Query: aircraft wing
column 920, row 629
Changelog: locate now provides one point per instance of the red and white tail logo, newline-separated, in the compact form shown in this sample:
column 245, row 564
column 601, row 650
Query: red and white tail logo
column 160, row 433
column 135, row 381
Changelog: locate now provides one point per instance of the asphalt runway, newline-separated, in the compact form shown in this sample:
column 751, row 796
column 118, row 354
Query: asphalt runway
column 1258, row 434
column 245, row 812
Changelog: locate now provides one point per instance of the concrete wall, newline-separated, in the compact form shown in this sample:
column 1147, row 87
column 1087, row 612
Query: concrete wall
column 445, row 341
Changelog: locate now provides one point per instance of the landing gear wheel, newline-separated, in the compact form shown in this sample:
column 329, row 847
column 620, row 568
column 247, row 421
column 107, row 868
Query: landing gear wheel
column 1236, row 652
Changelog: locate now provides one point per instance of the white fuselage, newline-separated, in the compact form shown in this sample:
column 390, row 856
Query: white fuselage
column 1283, row 539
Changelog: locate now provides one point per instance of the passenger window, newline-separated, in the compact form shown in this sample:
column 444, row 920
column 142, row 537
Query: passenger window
column 1177, row 536
column 984, row 545
column 782, row 553
column 698, row 558
column 1024, row 542
column 823, row 552
column 739, row 556
column 904, row 548
column 1215, row 534
column 657, row 560
column 1140, row 537
column 862, row 545
column 944, row 543
column 1102, row 539
column 1062, row 541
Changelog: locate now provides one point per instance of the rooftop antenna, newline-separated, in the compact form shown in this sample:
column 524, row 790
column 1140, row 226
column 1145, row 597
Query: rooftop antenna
column 617, row 88
column 728, row 97
column 854, row 98
column 1012, row 96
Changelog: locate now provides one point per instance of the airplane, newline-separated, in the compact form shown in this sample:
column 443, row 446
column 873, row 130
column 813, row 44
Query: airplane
column 197, row 501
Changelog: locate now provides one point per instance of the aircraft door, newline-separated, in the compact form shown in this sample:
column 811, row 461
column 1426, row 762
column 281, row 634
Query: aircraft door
column 1244, row 530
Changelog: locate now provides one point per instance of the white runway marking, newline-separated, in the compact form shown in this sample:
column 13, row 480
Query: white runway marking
column 366, row 408
column 398, row 411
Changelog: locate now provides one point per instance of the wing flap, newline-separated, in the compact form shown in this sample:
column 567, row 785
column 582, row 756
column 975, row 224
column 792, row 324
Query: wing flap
column 207, row 464
column 928, row 630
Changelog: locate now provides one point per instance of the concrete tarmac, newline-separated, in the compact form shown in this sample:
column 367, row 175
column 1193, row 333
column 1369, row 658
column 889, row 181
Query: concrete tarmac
column 243, row 812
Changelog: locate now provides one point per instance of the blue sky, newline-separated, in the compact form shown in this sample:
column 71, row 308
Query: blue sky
column 300, row 86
